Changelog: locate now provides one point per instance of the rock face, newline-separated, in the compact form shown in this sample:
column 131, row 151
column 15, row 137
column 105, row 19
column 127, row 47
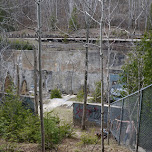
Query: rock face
column 63, row 66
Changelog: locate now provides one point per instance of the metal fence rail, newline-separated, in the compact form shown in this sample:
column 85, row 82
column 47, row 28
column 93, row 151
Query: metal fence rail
column 125, row 121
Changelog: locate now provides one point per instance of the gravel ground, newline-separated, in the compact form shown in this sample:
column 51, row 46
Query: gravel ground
column 51, row 104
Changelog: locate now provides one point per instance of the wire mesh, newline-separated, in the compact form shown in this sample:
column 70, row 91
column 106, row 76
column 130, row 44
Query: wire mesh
column 115, row 114
column 125, row 121
column 129, row 121
column 145, row 134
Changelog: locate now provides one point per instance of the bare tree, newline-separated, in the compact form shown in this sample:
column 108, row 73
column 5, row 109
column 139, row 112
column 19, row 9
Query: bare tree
column 25, row 12
column 86, row 7
column 40, row 74
column 109, row 10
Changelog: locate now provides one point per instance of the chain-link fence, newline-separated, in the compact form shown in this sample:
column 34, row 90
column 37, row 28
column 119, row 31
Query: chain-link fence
column 131, row 120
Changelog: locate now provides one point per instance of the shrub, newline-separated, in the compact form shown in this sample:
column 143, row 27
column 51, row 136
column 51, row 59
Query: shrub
column 17, row 123
column 80, row 95
column 21, row 45
column 16, row 44
column 65, row 40
column 88, row 138
column 54, row 130
column 53, row 22
column 97, row 93
column 55, row 94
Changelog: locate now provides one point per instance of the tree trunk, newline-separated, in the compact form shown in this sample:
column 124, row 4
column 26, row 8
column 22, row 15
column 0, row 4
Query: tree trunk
column 108, row 91
column 138, row 107
column 101, row 68
column 85, row 78
column 108, row 71
column 18, row 81
column 40, row 75
column 35, row 82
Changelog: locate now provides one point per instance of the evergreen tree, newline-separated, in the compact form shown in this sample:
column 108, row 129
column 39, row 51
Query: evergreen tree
column 139, row 59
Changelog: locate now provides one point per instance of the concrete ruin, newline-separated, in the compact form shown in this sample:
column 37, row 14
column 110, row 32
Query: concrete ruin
column 63, row 65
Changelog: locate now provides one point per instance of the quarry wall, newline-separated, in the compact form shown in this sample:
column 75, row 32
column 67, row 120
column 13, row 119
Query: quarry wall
column 63, row 65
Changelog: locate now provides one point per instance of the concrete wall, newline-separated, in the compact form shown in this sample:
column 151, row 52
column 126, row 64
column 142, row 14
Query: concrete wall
column 27, row 101
column 93, row 114
column 63, row 65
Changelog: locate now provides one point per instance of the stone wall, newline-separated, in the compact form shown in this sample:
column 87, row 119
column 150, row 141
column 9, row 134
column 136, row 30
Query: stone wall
column 63, row 65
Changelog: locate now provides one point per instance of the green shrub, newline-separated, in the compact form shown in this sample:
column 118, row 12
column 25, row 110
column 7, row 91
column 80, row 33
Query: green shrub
column 16, row 44
column 65, row 40
column 88, row 138
column 17, row 123
column 80, row 95
column 55, row 94
column 53, row 22
column 21, row 45
column 97, row 93
column 54, row 130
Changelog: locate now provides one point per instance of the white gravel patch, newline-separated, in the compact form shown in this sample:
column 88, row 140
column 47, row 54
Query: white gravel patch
column 56, row 102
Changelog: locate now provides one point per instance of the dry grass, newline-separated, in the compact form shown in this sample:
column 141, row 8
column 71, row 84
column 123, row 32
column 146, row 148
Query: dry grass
column 65, row 114
column 18, row 147
column 68, row 145
column 73, row 145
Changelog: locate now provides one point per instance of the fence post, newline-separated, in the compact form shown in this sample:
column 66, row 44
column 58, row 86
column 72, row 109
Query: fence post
column 138, row 119
column 121, row 120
